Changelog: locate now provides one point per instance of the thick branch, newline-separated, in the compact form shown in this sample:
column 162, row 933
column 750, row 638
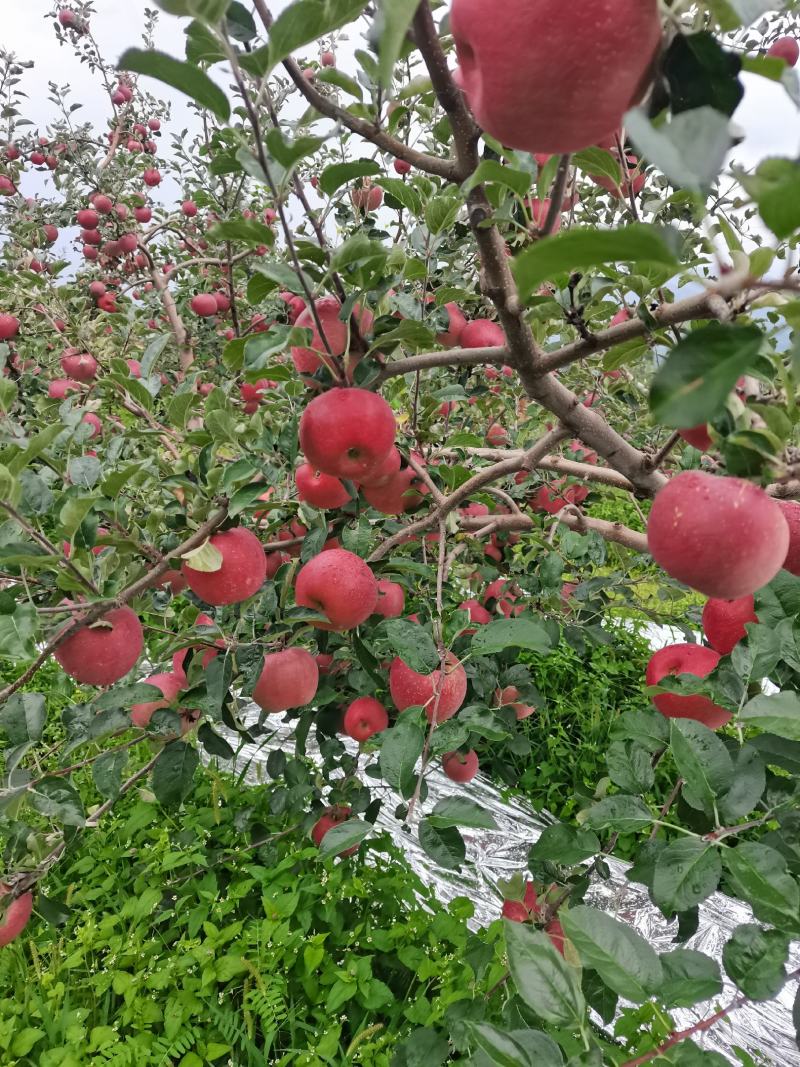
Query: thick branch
column 453, row 357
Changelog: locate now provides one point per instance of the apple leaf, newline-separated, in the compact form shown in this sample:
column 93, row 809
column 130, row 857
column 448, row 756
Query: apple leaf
column 182, row 76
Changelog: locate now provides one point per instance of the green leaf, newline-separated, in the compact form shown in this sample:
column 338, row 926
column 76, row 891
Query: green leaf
column 623, row 813
column 516, row 1048
column 492, row 171
column 403, row 192
column 755, row 958
column 202, row 46
column 22, row 718
column 445, row 846
column 441, row 211
column 17, row 633
column 184, row 77
column 758, row 874
column 543, row 979
column 690, row 150
column 622, row 958
column 701, row 73
column 173, row 773
column 630, row 767
column 244, row 231
column 339, row 174
column 749, row 782
column 401, row 747
column 700, row 372
column 287, row 153
column 239, row 23
column 345, row 835
column 778, row 714
column 687, row 871
column 511, row 633
column 582, row 248
column 775, row 187
column 58, row 799
column 392, row 21
column 564, row 845
column 461, row 811
column 703, row 761
column 214, row 743
column 308, row 20
column 689, row 977
column 107, row 772
column 413, row 644
column 424, row 1048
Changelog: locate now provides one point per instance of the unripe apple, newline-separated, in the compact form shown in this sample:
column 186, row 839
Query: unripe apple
column 724, row 621
column 408, row 688
column 170, row 685
column 103, row 652
column 204, row 304
column 318, row 489
column 95, row 422
column 721, row 536
column 288, row 679
column 364, row 718
column 332, row 817
column 581, row 71
column 391, row 599
column 787, row 49
column 452, row 336
column 17, row 915
column 791, row 512
column 698, row 437
column 79, row 365
column 9, row 326
column 460, row 766
column 339, row 585
column 686, row 659
column 241, row 574
column 482, row 333
column 347, row 433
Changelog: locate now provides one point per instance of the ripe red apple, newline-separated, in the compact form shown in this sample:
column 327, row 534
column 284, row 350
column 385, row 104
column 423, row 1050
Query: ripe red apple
column 396, row 496
column 698, row 437
column 721, row 536
column 401, row 166
column 385, row 473
column 409, row 688
column 102, row 204
column 496, row 436
column 347, row 433
column 242, row 572
column 460, row 766
column 154, row 124
column 17, row 915
column 581, row 70
column 686, row 659
column 456, row 323
column 528, row 909
column 67, row 17
column 623, row 315
column 308, row 360
column 724, row 621
column 634, row 184
column 170, row 685
column 327, row 59
column 477, row 612
column 365, row 717
column 318, row 489
column 50, row 233
column 179, row 657
column 391, row 599
column 189, row 209
column 142, row 214
column 482, row 333
column 787, row 49
column 87, row 219
column 79, row 365
column 332, row 817
column 204, row 304
column 95, row 422
column 288, row 679
column 104, row 652
column 60, row 387
column 7, row 187
column 791, row 512
column 151, row 177
column 339, row 585
column 9, row 325
column 367, row 198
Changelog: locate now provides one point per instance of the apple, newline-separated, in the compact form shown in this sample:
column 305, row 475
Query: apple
column 791, row 512
column 401, row 166
column 204, row 305
column 142, row 214
column 482, row 333
column 460, row 766
column 724, row 621
column 170, row 685
column 332, row 817
column 456, row 323
column 327, row 59
column 698, row 437
column 18, row 912
column 496, row 436
column 787, row 49
column 477, row 613
column 308, row 360
column 88, row 219
column 95, row 422
column 686, row 659
column 347, row 433
column 151, row 177
column 104, row 651
column 385, row 473
column 288, row 679
column 79, row 365
column 50, row 233
column 241, row 573
column 721, row 536
column 408, row 688
column 623, row 315
column 189, row 209
column 7, row 187
column 365, row 716
column 9, row 326
column 318, row 489
column 339, row 585
column 60, row 387
column 179, row 657
column 367, row 198
column 391, row 599
column 581, row 71
column 396, row 496
column 154, row 124
column 102, row 204
column 528, row 909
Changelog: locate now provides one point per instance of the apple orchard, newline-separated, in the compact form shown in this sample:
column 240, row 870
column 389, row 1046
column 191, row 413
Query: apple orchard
column 464, row 339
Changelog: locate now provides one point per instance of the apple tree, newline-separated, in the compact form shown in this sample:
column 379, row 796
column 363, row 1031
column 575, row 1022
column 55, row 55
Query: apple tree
column 459, row 331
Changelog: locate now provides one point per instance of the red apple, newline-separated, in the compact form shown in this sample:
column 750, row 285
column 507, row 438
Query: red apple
column 460, row 766
column 724, row 621
column 18, row 912
column 79, row 365
column 9, row 325
column 686, row 659
column 391, row 599
column 170, row 685
column 347, row 433
column 791, row 512
column 396, row 496
column 721, row 536
column 787, row 49
column 204, row 304
column 698, row 437
column 401, row 166
column 332, row 817
column 95, row 422
column 327, row 59
column 452, row 336
column 189, row 209
column 339, row 585
column 318, row 489
column 408, row 688
column 482, row 333
column 242, row 572
column 365, row 717
column 103, row 652
column 288, row 679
